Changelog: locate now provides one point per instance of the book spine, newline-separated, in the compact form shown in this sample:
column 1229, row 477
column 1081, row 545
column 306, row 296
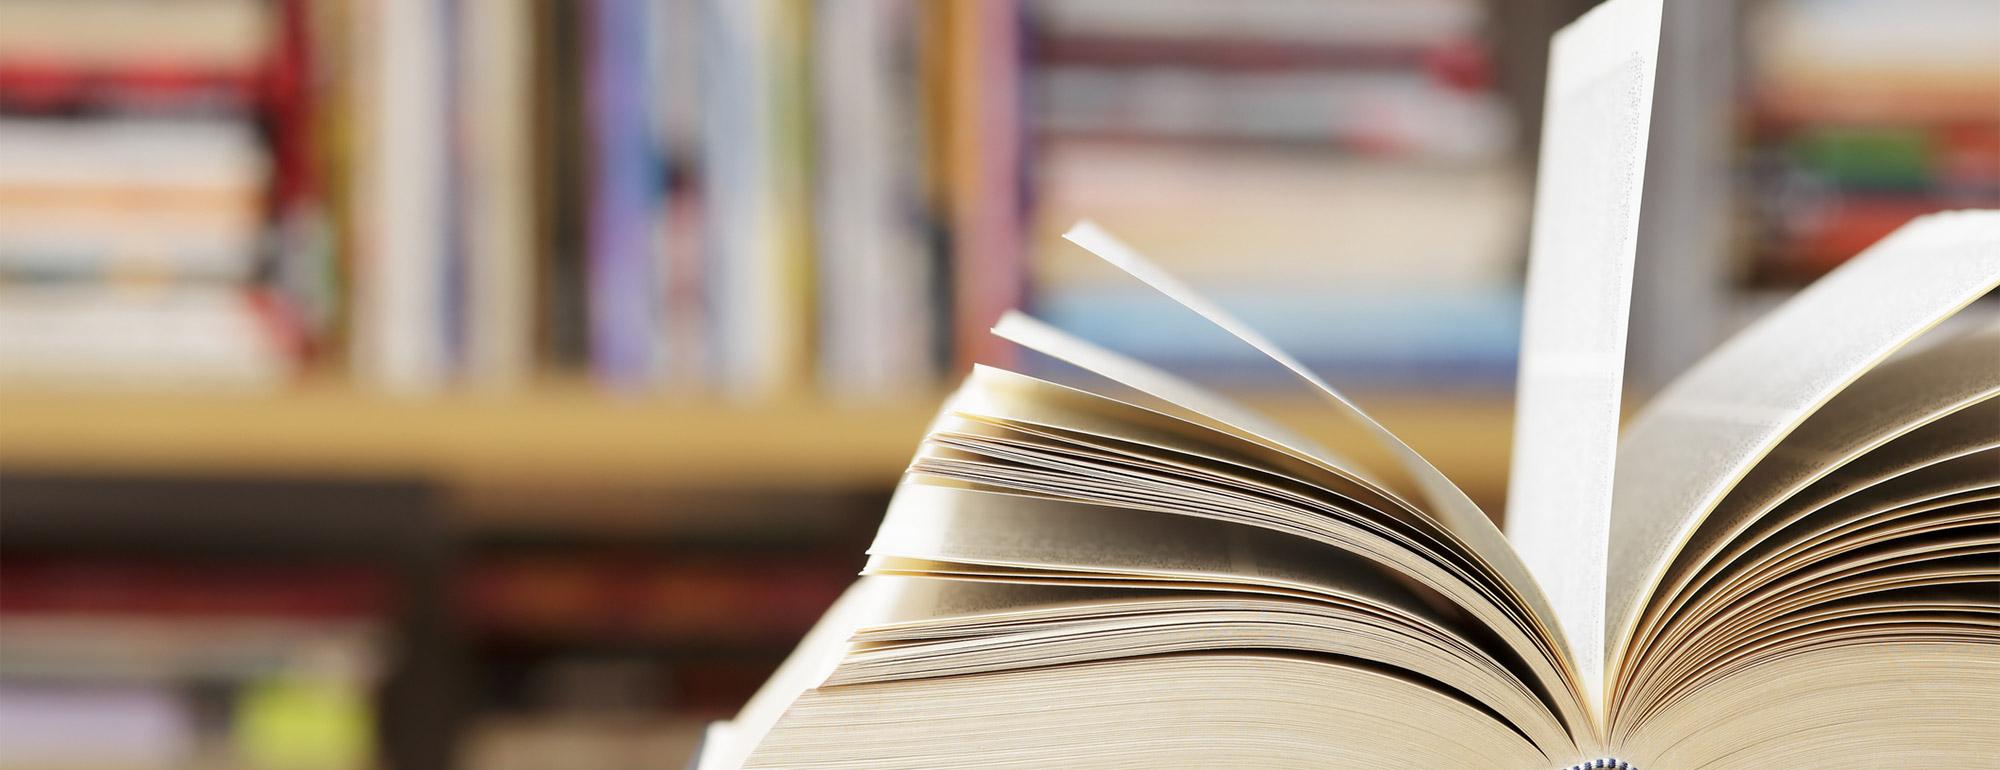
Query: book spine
column 987, row 161
column 624, row 302
column 498, row 219
column 786, row 26
column 675, row 55
column 400, row 195
column 46, row 587
column 873, row 273
column 563, row 194
column 756, row 157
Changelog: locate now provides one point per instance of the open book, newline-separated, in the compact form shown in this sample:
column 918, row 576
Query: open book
column 1791, row 558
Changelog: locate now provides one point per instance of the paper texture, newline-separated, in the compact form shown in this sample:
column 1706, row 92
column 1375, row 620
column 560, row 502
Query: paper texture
column 1861, row 427
column 1209, row 407
column 1445, row 501
column 1700, row 436
column 728, row 745
column 1586, row 224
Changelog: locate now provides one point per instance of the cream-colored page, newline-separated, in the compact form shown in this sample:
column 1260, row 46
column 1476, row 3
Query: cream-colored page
column 1212, row 408
column 1704, row 432
column 1445, row 501
column 1586, row 226
column 1888, row 402
column 729, row 744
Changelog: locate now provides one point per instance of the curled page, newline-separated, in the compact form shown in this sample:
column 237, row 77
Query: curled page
column 1586, row 225
column 1214, row 409
column 1445, row 501
column 1700, row 436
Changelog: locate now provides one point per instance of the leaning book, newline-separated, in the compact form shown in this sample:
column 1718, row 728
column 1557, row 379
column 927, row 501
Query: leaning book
column 1790, row 558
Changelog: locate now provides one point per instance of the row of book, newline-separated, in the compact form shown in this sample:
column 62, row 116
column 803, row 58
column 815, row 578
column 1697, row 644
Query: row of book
column 1292, row 160
column 839, row 196
column 744, row 198
column 163, row 663
column 159, row 664
column 1860, row 117
column 740, row 198
column 617, row 658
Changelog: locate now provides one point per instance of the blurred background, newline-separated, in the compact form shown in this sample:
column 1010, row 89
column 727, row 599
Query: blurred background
column 508, row 383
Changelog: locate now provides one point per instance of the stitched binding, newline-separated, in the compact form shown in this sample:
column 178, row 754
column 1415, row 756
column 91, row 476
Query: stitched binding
column 1604, row 762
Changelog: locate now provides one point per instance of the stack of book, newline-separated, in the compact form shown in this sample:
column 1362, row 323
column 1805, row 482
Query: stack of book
column 1860, row 117
column 1292, row 157
column 135, row 180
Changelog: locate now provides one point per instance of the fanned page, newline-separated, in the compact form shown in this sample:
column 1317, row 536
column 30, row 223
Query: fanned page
column 1526, row 612
column 1198, row 403
column 1586, row 224
column 1701, row 437
column 1164, row 577
column 1096, row 574
column 1446, row 501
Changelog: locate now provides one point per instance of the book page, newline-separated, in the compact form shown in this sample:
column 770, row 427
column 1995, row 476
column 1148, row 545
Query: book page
column 1584, row 238
column 1699, row 438
column 939, row 530
column 1866, row 422
column 1445, row 502
column 1200, row 403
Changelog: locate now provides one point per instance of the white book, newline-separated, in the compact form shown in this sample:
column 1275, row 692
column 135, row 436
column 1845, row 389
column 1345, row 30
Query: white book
column 400, row 198
column 1786, row 560
column 494, row 129
column 117, row 338
column 874, row 274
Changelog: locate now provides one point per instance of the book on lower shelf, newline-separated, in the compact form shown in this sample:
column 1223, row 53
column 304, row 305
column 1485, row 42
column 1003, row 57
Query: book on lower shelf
column 1785, row 560
column 160, row 664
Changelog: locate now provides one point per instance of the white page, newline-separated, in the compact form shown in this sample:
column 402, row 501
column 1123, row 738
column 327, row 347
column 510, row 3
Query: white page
column 1586, row 225
column 1214, row 409
column 1455, row 512
column 1701, row 435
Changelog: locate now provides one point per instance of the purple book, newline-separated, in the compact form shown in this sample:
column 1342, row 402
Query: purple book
column 624, row 285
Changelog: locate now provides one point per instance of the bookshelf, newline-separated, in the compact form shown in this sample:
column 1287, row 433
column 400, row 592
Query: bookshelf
column 537, row 542
column 511, row 304
column 562, row 434
column 383, row 347
column 571, row 436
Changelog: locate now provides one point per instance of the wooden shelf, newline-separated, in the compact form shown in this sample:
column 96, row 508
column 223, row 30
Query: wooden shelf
column 577, row 436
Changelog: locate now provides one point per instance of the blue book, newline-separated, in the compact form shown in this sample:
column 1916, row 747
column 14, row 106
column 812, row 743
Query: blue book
column 626, row 291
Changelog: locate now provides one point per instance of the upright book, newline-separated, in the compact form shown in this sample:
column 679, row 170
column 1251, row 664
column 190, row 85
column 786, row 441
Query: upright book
column 1791, row 558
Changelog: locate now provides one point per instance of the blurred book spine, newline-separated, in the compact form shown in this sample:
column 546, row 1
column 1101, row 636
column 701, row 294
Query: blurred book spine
column 611, row 655
column 135, row 187
column 398, row 250
column 495, row 77
column 626, row 263
column 984, row 60
column 171, row 664
column 726, row 199
column 691, row 600
column 1292, row 158
column 876, row 329
column 1859, row 117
